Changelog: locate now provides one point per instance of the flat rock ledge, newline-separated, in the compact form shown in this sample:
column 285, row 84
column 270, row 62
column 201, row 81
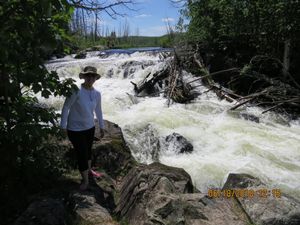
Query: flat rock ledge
column 159, row 194
column 130, row 193
column 268, row 206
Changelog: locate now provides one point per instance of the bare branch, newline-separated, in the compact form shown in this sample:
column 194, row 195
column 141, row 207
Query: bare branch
column 95, row 6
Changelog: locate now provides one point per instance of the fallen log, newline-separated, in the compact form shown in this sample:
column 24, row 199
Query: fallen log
column 214, row 73
column 147, row 85
column 242, row 103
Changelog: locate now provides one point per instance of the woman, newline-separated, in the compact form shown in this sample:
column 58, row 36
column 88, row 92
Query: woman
column 78, row 120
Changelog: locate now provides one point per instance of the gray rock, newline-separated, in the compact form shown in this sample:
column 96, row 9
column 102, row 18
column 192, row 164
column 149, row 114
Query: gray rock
column 250, row 117
column 241, row 181
column 148, row 146
column 111, row 153
column 47, row 211
column 178, row 143
column 110, row 73
column 87, row 211
column 199, row 209
column 159, row 194
column 80, row 55
column 130, row 67
column 265, row 208
column 103, row 55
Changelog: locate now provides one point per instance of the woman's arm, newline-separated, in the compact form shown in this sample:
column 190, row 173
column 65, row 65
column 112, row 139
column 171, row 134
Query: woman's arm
column 66, row 108
column 99, row 115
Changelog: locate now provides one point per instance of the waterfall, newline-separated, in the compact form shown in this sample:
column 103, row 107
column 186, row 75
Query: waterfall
column 224, row 141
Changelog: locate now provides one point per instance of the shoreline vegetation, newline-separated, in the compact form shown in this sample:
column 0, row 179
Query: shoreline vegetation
column 122, row 42
column 251, row 47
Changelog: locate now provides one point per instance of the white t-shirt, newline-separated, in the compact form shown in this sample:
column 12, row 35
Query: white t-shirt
column 78, row 110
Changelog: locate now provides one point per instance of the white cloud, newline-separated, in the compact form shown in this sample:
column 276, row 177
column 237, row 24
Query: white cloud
column 168, row 19
column 143, row 16
column 153, row 31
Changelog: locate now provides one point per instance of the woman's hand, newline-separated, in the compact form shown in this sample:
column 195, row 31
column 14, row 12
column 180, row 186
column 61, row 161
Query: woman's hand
column 64, row 132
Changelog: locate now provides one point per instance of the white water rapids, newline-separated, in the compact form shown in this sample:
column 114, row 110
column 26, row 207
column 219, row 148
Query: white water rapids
column 223, row 141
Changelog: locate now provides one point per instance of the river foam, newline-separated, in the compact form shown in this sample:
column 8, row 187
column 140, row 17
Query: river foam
column 223, row 141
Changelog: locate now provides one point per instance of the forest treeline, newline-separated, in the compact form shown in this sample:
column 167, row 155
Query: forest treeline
column 242, row 29
column 227, row 33
column 261, row 39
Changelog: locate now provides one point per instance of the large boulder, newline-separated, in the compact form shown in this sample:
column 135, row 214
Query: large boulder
column 159, row 194
column 67, row 205
column 111, row 153
column 86, row 210
column 178, row 143
column 143, row 183
column 267, row 206
column 47, row 211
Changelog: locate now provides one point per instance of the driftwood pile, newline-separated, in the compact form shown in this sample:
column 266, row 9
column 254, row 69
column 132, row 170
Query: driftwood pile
column 263, row 82
column 152, row 83
column 260, row 83
column 169, row 81
column 277, row 91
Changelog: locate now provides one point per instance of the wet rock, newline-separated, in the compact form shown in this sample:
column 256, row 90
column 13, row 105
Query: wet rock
column 241, row 181
column 47, row 211
column 178, row 143
column 131, row 63
column 198, row 209
column 128, row 72
column 86, row 210
column 148, row 146
column 250, row 117
column 103, row 55
column 159, row 194
column 112, row 153
column 144, row 181
column 80, row 55
column 268, row 206
column 60, row 55
column 141, row 64
column 110, row 73
column 130, row 67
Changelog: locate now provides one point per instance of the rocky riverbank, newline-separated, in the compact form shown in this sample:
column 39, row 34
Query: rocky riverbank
column 131, row 193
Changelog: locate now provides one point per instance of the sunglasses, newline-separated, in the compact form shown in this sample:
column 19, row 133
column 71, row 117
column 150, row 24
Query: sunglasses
column 90, row 75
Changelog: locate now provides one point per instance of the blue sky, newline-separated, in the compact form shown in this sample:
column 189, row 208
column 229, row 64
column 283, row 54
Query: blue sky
column 149, row 18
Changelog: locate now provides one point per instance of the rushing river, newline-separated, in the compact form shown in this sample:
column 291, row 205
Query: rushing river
column 223, row 141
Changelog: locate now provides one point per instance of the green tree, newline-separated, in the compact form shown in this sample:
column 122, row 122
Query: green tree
column 260, row 25
column 30, row 30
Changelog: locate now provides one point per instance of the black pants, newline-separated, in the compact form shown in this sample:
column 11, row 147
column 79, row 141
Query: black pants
column 82, row 142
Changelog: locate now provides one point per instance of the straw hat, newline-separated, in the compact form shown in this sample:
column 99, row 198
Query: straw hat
column 89, row 70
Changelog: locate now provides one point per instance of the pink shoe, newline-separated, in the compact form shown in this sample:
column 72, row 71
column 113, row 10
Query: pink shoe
column 95, row 174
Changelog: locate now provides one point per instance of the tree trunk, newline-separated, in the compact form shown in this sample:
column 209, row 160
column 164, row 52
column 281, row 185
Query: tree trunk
column 84, row 25
column 286, row 56
column 5, row 87
column 96, row 25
